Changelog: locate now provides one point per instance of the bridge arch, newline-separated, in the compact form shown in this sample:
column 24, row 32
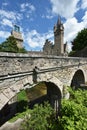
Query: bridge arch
column 54, row 89
column 53, row 95
column 78, row 78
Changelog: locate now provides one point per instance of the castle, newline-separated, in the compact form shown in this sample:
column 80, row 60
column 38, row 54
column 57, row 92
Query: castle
column 58, row 48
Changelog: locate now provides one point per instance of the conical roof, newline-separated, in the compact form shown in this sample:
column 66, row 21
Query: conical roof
column 59, row 21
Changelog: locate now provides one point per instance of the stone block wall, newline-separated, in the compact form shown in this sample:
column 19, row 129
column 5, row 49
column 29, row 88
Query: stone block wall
column 11, row 63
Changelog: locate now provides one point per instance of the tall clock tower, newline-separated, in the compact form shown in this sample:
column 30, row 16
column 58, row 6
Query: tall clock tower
column 59, row 38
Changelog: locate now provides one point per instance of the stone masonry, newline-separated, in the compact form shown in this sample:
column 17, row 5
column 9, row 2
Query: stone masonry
column 18, row 36
column 58, row 48
column 17, row 72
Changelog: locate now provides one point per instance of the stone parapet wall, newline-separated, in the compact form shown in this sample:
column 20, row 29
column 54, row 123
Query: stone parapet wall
column 11, row 63
column 37, row 54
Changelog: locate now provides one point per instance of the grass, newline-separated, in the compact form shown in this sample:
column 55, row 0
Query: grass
column 26, row 96
column 22, row 96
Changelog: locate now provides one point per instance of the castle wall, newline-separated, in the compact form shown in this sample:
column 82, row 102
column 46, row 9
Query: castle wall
column 58, row 48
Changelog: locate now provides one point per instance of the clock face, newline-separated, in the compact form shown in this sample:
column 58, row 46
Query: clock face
column 55, row 28
column 61, row 27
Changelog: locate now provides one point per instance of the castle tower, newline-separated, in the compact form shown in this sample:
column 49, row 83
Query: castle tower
column 18, row 36
column 59, row 38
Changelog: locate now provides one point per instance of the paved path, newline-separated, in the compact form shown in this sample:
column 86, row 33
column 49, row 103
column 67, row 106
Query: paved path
column 11, row 126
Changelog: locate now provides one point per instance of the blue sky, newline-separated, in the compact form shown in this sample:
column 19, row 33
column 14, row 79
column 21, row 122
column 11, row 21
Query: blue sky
column 36, row 19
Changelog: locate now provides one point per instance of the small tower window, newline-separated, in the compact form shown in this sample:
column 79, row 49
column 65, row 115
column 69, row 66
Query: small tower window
column 16, row 28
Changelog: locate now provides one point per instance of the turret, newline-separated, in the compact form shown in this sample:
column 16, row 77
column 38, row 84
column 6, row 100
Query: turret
column 17, row 35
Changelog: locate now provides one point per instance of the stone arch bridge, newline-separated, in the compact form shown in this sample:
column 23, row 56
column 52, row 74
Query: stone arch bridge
column 18, row 71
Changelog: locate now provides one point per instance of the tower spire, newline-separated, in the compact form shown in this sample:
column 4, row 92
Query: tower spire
column 59, row 20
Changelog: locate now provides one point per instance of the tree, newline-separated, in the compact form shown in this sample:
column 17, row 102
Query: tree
column 10, row 45
column 80, row 41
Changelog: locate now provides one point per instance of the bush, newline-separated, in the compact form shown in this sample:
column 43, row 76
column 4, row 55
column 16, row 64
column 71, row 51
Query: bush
column 39, row 118
column 73, row 115
column 74, row 111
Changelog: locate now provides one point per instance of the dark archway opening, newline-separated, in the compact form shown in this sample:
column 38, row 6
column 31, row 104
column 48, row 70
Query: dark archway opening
column 45, row 91
column 7, row 112
column 78, row 79
column 54, row 96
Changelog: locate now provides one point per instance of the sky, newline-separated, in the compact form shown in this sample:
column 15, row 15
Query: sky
column 37, row 18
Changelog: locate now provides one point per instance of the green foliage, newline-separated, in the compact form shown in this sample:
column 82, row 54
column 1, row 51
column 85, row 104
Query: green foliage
column 80, row 41
column 22, row 50
column 73, row 114
column 10, row 45
column 72, row 53
column 22, row 101
column 39, row 118
column 22, row 96
column 79, row 96
column 19, row 115
column 74, row 111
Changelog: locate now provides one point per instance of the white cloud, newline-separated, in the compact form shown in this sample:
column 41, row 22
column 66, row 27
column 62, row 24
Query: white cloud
column 32, row 7
column 85, row 19
column 28, row 9
column 7, row 14
column 6, row 22
column 4, row 4
column 72, row 27
column 4, row 34
column 10, row 15
column 48, row 16
column 8, row 18
column 84, row 4
column 65, row 8
column 35, row 39
column 27, row 6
